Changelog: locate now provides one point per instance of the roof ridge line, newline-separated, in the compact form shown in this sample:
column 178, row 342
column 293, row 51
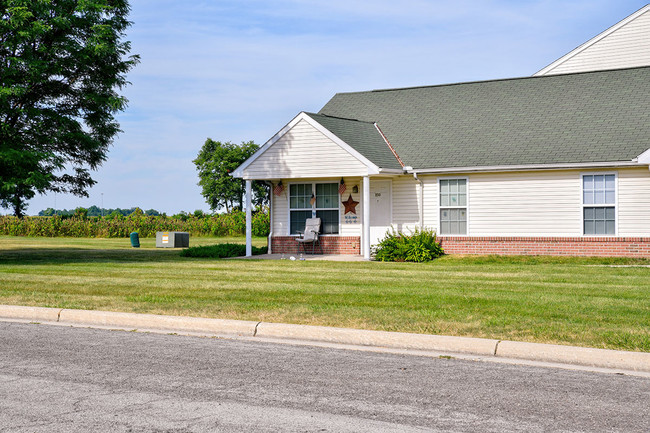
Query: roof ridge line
column 532, row 77
column 341, row 118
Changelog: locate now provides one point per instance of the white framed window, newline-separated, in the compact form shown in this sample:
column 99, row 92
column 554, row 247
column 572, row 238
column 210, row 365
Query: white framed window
column 453, row 204
column 599, row 204
column 325, row 206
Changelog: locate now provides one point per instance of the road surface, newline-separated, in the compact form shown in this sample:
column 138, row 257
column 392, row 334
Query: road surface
column 64, row 379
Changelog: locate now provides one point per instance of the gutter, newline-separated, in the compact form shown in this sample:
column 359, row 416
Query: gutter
column 559, row 166
column 421, row 207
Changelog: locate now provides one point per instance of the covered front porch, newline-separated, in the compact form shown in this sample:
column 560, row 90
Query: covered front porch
column 343, row 205
column 337, row 170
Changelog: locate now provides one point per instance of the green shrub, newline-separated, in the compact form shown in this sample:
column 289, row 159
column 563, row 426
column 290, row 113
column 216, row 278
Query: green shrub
column 261, row 223
column 221, row 251
column 419, row 246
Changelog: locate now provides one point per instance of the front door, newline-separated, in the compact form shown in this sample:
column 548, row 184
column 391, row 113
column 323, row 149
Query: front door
column 380, row 209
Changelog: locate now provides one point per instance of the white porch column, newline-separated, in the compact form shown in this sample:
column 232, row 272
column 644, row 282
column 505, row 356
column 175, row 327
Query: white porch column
column 366, row 218
column 249, row 220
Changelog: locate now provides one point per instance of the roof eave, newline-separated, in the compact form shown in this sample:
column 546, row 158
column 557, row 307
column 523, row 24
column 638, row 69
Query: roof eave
column 527, row 167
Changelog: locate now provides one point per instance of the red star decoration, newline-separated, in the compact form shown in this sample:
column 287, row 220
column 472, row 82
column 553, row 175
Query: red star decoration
column 350, row 205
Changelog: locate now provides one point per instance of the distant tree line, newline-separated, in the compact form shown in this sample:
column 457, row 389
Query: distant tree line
column 94, row 211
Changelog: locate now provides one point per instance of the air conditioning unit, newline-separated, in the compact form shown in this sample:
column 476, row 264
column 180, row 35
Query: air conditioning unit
column 172, row 239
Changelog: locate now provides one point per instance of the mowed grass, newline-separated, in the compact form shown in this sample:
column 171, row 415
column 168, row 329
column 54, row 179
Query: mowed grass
column 592, row 302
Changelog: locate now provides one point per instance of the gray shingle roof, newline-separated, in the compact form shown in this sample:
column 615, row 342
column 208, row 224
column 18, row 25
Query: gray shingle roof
column 362, row 136
column 586, row 117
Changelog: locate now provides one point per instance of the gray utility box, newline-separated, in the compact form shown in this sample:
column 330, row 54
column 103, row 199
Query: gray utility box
column 172, row 239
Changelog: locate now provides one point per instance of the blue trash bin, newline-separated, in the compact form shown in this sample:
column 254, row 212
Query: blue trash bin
column 135, row 240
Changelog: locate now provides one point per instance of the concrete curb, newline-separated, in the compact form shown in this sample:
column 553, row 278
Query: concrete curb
column 399, row 340
column 35, row 314
column 154, row 321
column 613, row 359
column 603, row 358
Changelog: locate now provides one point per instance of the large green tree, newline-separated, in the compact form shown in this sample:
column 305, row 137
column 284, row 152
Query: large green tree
column 215, row 162
column 61, row 65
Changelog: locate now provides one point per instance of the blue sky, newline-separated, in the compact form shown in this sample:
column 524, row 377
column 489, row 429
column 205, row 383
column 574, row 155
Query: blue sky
column 237, row 70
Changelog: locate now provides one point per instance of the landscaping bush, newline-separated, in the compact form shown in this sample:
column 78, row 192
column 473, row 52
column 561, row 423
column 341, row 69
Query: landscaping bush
column 221, row 251
column 419, row 246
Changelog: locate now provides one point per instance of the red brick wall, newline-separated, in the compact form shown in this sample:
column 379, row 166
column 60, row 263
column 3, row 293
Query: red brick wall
column 555, row 246
column 328, row 245
column 501, row 245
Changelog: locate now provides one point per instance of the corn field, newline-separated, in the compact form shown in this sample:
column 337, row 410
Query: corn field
column 230, row 224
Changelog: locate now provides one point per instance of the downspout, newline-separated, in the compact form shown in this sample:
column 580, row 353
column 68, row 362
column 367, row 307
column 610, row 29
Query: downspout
column 269, row 242
column 415, row 176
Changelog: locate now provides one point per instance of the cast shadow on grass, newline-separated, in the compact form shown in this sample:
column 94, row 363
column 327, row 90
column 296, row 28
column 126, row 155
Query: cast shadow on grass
column 45, row 256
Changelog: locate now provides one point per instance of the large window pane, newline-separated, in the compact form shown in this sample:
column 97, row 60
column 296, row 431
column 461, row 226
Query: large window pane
column 599, row 197
column 329, row 221
column 453, row 221
column 299, row 196
column 326, row 206
column 327, row 195
column 599, row 189
column 599, row 182
column 453, row 194
column 599, row 220
column 298, row 218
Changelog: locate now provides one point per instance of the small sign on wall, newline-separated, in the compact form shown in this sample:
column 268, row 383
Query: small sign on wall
column 350, row 219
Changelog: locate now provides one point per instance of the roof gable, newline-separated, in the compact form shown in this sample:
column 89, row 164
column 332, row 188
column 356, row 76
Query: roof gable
column 302, row 149
column 572, row 118
column 625, row 44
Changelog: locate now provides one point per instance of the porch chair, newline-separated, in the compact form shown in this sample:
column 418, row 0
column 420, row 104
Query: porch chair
column 312, row 230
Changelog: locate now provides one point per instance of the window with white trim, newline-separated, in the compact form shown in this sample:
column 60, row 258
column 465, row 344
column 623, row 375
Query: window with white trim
column 599, row 204
column 453, row 206
column 325, row 206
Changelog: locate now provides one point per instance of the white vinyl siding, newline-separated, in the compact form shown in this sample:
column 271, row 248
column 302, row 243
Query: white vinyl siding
column 627, row 46
column 406, row 202
column 526, row 204
column 304, row 152
column 535, row 203
column 634, row 202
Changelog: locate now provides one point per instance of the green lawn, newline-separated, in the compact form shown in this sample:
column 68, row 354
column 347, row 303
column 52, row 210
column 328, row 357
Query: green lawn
column 578, row 301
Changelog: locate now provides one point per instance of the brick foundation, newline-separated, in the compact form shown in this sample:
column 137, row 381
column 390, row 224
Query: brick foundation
column 500, row 245
column 552, row 246
column 328, row 245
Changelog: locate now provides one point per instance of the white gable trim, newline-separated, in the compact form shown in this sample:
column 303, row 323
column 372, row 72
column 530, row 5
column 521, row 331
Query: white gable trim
column 592, row 41
column 372, row 167
column 644, row 158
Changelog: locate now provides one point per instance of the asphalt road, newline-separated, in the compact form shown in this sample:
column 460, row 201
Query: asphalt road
column 61, row 379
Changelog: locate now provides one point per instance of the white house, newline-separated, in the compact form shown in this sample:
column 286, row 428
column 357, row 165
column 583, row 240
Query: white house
column 557, row 163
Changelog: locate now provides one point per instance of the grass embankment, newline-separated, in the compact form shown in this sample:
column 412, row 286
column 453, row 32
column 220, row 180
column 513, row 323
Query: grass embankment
column 578, row 301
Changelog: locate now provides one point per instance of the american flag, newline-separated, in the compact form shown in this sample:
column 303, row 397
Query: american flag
column 278, row 188
column 342, row 187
